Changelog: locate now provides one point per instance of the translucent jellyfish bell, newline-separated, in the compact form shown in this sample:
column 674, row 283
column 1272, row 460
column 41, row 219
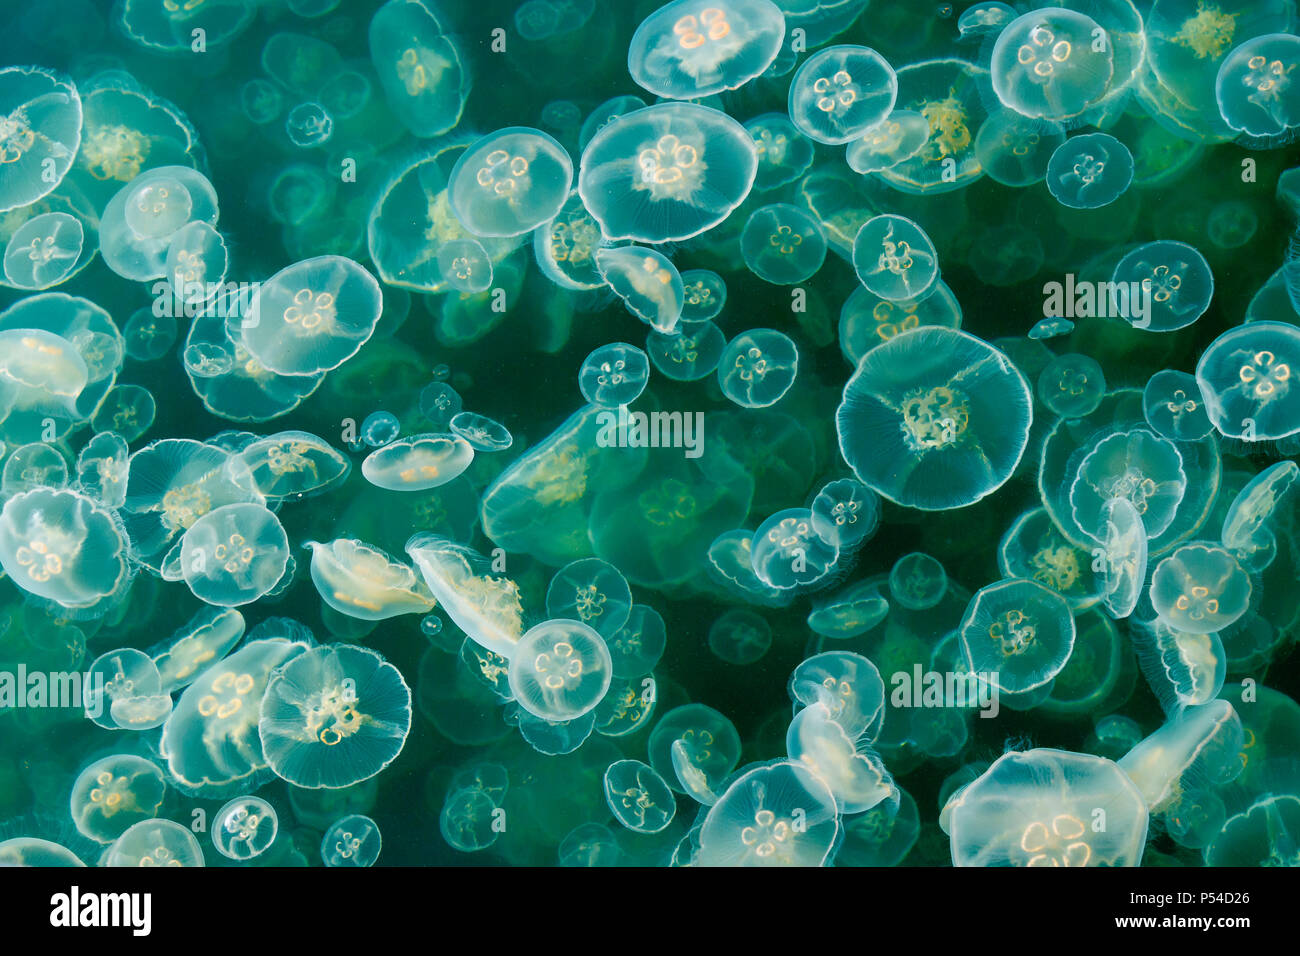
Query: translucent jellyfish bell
column 1038, row 807
column 780, row 814
column 1172, row 405
column 1052, row 63
column 591, row 591
column 666, row 173
column 758, row 367
column 420, row 67
column 44, row 251
column 244, row 828
column 510, row 182
column 293, row 464
column 466, row 265
column 1137, row 465
column 740, row 637
column 688, row 356
column 855, row 774
column 614, row 375
column 312, row 316
column 353, row 840
column 1123, row 565
column 784, row 154
column 114, row 793
column 917, row 581
column 1089, row 171
column 1174, row 281
column 234, row 554
column 638, row 797
column 334, row 716
column 689, row 49
column 841, row 92
column 1072, row 385
column 846, row 512
column 895, row 259
column 1019, row 633
column 647, row 282
column 1200, row 589
column 418, row 462
column 782, row 244
column 483, row 433
column 1246, row 526
column 361, row 581
column 1247, row 377
column 788, row 552
column 155, row 843
column 560, row 670
column 137, row 225
column 934, row 419
column 486, row 607
column 40, row 135
column 1256, row 88
column 898, row 137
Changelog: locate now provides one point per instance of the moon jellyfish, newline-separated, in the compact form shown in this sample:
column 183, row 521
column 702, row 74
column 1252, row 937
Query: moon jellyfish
column 1051, row 328
column 780, row 814
column 425, row 81
column 591, row 591
column 788, row 552
column 689, row 355
column 1017, row 632
column 309, row 125
column 1267, row 833
column 984, row 19
column 114, row 793
column 853, row 611
column 1089, row 171
column 44, row 251
column 1014, row 149
column 784, row 154
column 140, row 221
column 40, row 135
column 882, row 836
column 699, row 740
column 312, row 316
column 1200, row 589
column 934, row 419
column 666, row 173
column 123, row 691
column 361, row 581
column 855, row 774
column 244, row 828
column 155, row 843
column 950, row 95
column 917, row 581
column 895, row 259
column 510, row 182
column 560, row 670
column 648, row 284
column 1256, row 89
column 845, row 512
column 589, row 845
column 758, row 367
column 1137, row 465
column 1052, row 63
column 468, row 819
column 1122, row 562
column 739, row 637
column 1245, row 377
column 465, row 265
column 482, row 604
column 638, row 797
column 1072, row 385
column 334, row 716
column 1246, row 526
column 638, row 644
column 614, row 375
column 1039, row 808
column 351, row 841
column 418, row 462
column 1173, row 280
column 234, row 554
column 206, row 638
column 64, row 547
column 782, row 244
column 841, row 92
column 690, row 49
column 1183, row 669
column 36, row 465
column 1173, row 407
column 32, row 851
column 482, row 433
column 897, row 138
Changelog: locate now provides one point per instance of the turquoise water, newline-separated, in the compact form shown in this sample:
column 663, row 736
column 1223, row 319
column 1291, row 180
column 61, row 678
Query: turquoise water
column 570, row 433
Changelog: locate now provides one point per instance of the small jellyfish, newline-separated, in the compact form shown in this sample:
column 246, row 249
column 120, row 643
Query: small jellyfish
column 1051, row 329
column 560, row 670
column 128, row 410
column 758, row 367
column 784, row 154
column 782, row 244
column 361, row 581
column 1173, row 407
column 780, row 814
column 666, row 173
column 206, row 638
column 705, row 293
column 590, row 845
column 690, row 49
column 565, row 248
column 312, row 316
column 509, row 182
column 351, row 841
column 1245, row 377
column 638, row 797
column 934, row 419
column 234, row 554
column 591, row 591
column 244, row 828
column 1052, row 63
column 44, row 251
column 1072, row 385
column 1170, row 285
column 155, row 843
column 1267, row 833
column 1183, row 669
column 841, row 92
column 466, row 265
column 114, row 793
column 425, row 80
column 1256, row 87
column 468, row 819
column 1258, row 505
column 1089, row 171
column 40, row 134
column 614, row 375
column 635, row 648
column 379, row 429
column 481, row 603
column 648, row 284
column 866, row 319
column 1015, row 149
column 334, row 716
column 418, row 462
column 292, row 465
column 697, row 738
column 854, row 772
column 789, row 553
column 149, row 337
column 740, row 637
column 853, row 611
column 917, row 581
column 1017, row 632
column 895, row 259
column 140, row 220
column 1137, row 465
column 309, row 125
column 1200, row 589
column 439, row 403
column 1122, row 562
column 895, row 139
column 689, row 355
column 483, row 433
column 197, row 261
column 261, row 101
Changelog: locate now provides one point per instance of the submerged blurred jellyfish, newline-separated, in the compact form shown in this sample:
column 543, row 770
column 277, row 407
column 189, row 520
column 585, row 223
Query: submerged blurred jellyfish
column 1039, row 808
column 934, row 419
column 334, row 716
column 591, row 591
column 895, row 259
column 784, row 154
column 1052, row 63
column 667, row 172
column 841, row 92
column 782, row 244
column 1072, row 385
column 312, row 316
column 1089, row 171
column 689, row 49
column 688, row 356
column 510, row 182
column 420, row 68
